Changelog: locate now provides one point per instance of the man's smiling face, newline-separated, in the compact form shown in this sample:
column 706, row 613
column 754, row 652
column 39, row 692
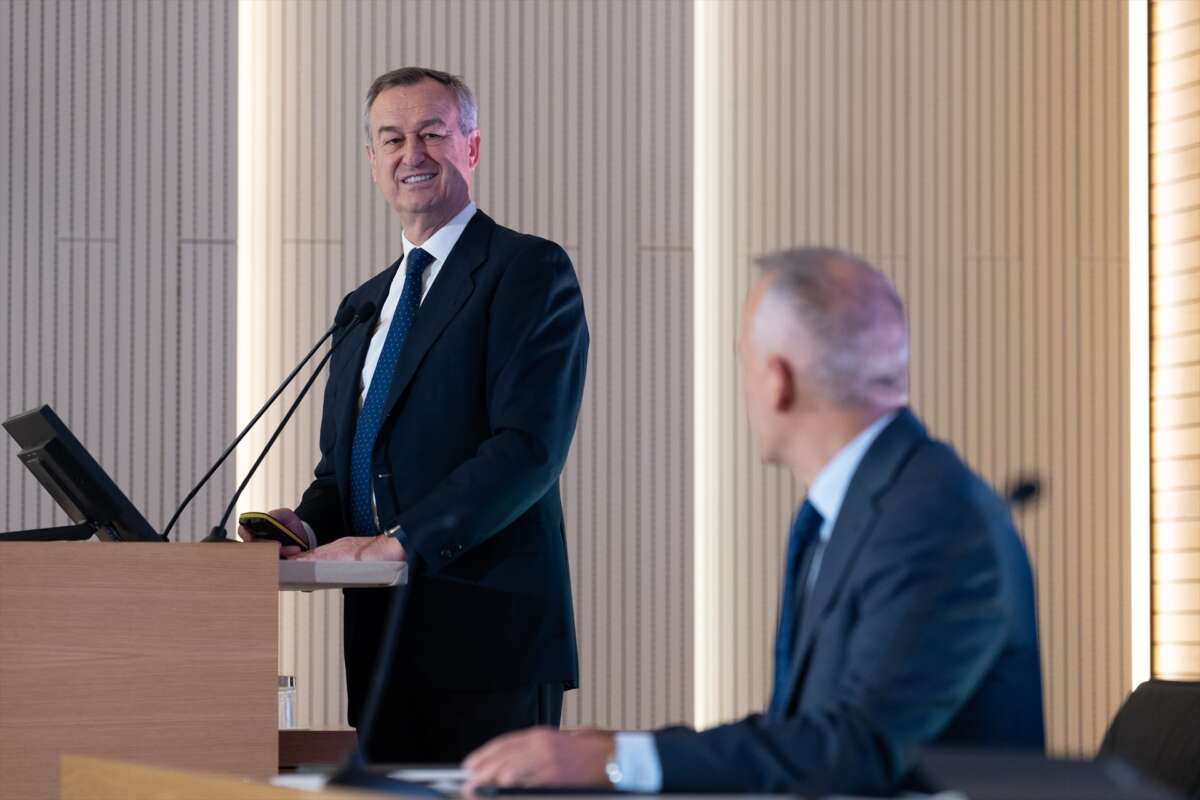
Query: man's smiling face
column 420, row 159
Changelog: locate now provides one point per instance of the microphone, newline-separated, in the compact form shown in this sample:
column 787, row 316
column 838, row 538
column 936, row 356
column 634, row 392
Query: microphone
column 1023, row 490
column 345, row 316
column 365, row 312
column 354, row 772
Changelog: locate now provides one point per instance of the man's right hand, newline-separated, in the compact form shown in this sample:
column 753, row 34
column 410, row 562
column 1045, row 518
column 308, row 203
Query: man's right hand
column 289, row 518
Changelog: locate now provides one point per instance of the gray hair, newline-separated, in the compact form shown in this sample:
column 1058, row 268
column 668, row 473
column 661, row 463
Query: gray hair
column 848, row 313
column 468, row 109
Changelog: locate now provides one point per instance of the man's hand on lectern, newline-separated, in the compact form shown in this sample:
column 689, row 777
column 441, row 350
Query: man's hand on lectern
column 289, row 518
column 356, row 548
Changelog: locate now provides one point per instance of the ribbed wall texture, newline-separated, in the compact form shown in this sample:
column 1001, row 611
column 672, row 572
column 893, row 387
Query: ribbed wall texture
column 585, row 109
column 117, row 169
column 976, row 151
column 1175, row 334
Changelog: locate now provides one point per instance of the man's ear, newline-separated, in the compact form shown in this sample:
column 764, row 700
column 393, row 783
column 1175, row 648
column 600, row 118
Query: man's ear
column 369, row 152
column 781, row 384
column 474, row 140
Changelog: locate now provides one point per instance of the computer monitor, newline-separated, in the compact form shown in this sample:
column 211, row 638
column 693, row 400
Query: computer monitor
column 77, row 483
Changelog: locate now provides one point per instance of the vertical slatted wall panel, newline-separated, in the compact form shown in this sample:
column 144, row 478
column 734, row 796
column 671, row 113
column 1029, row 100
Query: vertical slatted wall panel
column 976, row 153
column 119, row 270
column 1175, row 325
column 585, row 110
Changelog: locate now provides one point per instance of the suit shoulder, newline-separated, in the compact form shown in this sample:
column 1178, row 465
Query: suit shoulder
column 934, row 460
column 949, row 509
column 508, row 244
column 936, row 483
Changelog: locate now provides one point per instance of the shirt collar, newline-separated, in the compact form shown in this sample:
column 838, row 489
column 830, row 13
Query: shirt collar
column 443, row 240
column 828, row 490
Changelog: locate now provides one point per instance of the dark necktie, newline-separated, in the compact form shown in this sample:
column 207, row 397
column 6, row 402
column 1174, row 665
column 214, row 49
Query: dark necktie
column 370, row 416
column 801, row 543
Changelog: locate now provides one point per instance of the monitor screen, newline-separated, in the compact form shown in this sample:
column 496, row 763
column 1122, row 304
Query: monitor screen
column 77, row 483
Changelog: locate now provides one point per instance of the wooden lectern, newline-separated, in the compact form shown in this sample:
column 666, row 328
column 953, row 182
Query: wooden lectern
column 103, row 779
column 162, row 654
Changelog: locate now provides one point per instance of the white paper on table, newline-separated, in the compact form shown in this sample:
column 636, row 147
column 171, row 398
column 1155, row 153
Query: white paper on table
column 444, row 779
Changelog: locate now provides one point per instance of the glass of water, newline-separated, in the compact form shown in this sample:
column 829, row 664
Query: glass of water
column 287, row 702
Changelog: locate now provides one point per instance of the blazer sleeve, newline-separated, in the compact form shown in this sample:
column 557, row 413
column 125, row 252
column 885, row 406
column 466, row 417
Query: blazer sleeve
column 929, row 624
column 536, row 363
column 321, row 505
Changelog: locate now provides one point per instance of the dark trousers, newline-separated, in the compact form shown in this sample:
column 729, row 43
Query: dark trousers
column 437, row 726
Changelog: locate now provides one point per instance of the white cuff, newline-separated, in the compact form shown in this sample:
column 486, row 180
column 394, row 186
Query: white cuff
column 637, row 758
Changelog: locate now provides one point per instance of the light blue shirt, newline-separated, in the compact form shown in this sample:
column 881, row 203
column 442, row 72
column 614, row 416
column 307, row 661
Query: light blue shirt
column 636, row 753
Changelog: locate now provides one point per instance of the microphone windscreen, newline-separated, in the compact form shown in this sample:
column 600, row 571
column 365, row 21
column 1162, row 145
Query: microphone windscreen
column 366, row 311
column 1024, row 491
column 344, row 316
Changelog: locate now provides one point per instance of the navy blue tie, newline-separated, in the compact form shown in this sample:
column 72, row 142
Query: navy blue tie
column 800, row 545
column 370, row 416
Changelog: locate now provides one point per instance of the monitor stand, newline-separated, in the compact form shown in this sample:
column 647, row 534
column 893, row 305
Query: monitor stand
column 63, row 533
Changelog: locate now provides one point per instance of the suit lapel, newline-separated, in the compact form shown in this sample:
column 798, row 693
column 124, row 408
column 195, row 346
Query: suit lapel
column 450, row 291
column 857, row 518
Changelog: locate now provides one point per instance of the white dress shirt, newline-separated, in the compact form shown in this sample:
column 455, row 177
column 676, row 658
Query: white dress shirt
column 439, row 246
column 636, row 753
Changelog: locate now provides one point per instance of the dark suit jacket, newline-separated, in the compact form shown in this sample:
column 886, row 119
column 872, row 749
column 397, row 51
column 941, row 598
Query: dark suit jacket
column 920, row 629
column 482, row 409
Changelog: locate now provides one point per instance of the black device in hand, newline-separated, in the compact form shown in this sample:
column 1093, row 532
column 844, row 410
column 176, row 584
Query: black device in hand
column 264, row 526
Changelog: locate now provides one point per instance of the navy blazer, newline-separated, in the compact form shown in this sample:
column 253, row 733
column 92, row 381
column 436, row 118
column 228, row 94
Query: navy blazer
column 920, row 629
column 480, row 415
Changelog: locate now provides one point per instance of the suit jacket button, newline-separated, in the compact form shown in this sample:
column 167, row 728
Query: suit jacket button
column 446, row 553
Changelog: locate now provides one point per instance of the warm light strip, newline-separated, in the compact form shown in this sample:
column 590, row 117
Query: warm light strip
column 252, row 103
column 1139, row 342
column 706, row 329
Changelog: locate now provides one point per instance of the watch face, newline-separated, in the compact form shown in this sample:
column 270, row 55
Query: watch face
column 613, row 771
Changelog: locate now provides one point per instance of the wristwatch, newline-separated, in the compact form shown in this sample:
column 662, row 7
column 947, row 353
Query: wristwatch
column 613, row 770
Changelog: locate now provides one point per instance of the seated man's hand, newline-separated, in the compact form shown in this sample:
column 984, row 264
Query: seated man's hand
column 357, row 548
column 290, row 519
column 542, row 757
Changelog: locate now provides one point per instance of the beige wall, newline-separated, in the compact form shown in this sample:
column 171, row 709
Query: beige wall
column 977, row 153
column 974, row 150
column 585, row 110
column 1175, row 321
column 117, row 244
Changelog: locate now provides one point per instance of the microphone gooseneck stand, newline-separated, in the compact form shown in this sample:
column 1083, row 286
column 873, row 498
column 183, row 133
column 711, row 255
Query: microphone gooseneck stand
column 218, row 533
column 354, row 772
column 347, row 316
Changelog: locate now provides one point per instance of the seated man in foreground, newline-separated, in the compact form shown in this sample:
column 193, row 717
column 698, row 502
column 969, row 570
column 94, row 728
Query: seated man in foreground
column 907, row 615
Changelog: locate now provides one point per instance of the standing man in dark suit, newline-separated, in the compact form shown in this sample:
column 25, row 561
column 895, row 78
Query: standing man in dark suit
column 907, row 615
column 445, row 428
